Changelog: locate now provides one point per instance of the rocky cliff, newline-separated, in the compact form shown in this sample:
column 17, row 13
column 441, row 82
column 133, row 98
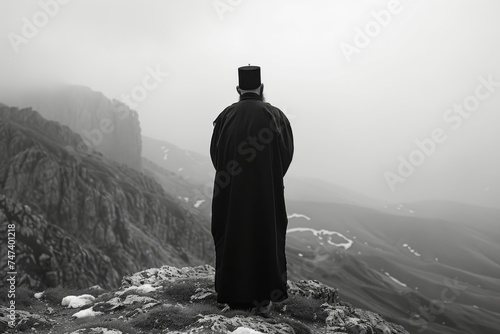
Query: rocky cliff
column 173, row 300
column 83, row 218
column 108, row 126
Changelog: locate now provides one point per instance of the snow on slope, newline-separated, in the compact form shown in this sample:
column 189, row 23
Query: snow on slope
column 321, row 233
column 395, row 280
column 298, row 215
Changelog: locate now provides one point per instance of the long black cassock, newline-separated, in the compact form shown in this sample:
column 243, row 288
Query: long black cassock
column 251, row 150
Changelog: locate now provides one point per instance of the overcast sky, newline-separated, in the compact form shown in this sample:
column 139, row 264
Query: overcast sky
column 361, row 81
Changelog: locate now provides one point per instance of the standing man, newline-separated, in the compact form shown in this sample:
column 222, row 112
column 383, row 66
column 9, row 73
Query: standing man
column 251, row 150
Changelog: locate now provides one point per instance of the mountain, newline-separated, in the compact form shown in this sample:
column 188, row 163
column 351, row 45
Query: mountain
column 82, row 216
column 425, row 273
column 183, row 300
column 107, row 126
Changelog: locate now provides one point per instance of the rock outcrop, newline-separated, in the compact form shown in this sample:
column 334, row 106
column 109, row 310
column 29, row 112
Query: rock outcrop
column 84, row 214
column 108, row 126
column 183, row 300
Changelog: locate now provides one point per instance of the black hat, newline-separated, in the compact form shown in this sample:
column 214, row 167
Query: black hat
column 249, row 77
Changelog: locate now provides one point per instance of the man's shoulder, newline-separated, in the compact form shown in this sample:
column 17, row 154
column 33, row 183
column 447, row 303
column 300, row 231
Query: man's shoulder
column 274, row 110
column 225, row 111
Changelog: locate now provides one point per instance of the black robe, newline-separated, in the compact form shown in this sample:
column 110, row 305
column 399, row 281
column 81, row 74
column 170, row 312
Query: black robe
column 251, row 150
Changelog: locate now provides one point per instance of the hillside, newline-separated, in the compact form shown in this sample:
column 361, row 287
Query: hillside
column 173, row 300
column 391, row 258
column 82, row 202
column 424, row 273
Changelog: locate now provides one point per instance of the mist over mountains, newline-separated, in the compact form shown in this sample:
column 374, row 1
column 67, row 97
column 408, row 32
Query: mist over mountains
column 95, row 200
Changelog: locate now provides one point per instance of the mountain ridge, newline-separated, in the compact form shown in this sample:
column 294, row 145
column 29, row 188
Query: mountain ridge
column 105, row 125
column 94, row 199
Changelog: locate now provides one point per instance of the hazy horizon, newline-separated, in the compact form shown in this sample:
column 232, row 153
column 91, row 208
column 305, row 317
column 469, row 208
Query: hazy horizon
column 355, row 110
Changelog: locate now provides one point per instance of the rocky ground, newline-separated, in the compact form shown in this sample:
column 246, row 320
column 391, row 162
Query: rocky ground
column 173, row 300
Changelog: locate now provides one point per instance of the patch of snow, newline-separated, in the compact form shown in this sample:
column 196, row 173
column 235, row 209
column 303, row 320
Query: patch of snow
column 475, row 306
column 300, row 254
column 88, row 312
column 38, row 295
column 145, row 288
column 298, row 215
column 198, row 203
column 180, row 169
column 165, row 153
column 77, row 301
column 245, row 330
column 319, row 233
column 402, row 207
column 395, row 280
column 414, row 252
column 436, row 259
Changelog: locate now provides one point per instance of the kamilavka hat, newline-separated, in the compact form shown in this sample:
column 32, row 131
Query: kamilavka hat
column 249, row 77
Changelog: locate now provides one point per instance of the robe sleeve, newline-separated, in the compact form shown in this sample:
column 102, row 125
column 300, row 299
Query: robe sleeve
column 215, row 138
column 285, row 142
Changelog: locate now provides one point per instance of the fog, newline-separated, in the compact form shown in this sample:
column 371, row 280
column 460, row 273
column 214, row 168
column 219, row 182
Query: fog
column 399, row 100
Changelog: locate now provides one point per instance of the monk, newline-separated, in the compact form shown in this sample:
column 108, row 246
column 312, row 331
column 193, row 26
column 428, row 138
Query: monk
column 251, row 150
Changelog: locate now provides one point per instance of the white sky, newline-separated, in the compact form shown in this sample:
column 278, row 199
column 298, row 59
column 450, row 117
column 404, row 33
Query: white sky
column 351, row 120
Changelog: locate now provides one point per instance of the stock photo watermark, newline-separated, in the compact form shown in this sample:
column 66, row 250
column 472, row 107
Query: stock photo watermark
column 451, row 291
column 222, row 7
column 454, row 118
column 11, row 274
column 150, row 82
column 363, row 37
column 31, row 27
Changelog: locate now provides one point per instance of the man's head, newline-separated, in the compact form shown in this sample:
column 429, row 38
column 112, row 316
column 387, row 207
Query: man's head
column 249, row 80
